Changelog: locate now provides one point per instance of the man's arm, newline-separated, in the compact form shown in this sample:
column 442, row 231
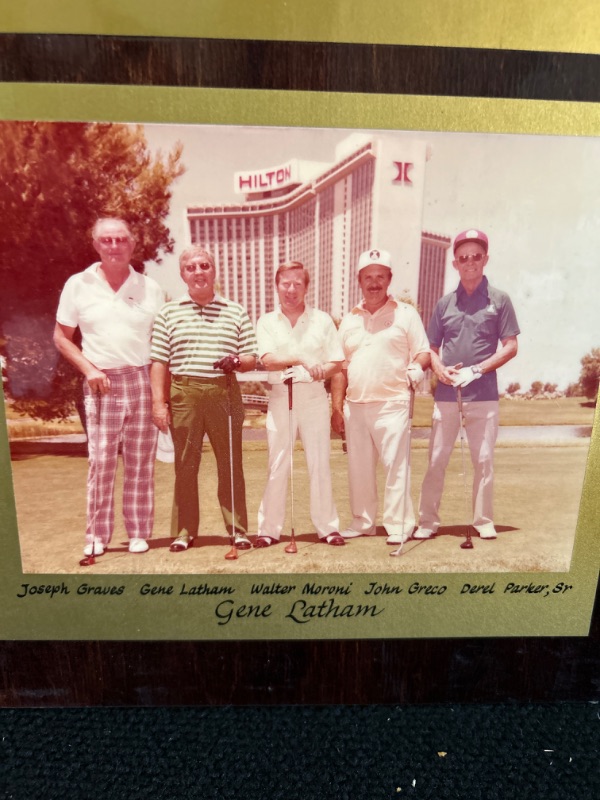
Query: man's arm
column 272, row 362
column 507, row 351
column 160, row 380
column 339, row 384
column 444, row 374
column 63, row 341
column 247, row 363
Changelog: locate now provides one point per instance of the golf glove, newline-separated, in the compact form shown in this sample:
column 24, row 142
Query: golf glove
column 414, row 374
column 464, row 376
column 297, row 374
column 228, row 364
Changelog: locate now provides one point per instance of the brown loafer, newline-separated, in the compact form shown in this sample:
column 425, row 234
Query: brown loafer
column 265, row 541
column 334, row 539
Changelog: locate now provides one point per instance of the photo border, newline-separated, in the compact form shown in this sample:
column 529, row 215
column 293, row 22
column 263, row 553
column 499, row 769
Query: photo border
column 42, row 617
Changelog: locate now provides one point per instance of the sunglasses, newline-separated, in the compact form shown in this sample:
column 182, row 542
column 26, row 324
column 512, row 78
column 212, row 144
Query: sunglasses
column 476, row 257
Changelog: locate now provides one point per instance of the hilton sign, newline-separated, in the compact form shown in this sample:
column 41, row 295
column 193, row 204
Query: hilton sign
column 266, row 180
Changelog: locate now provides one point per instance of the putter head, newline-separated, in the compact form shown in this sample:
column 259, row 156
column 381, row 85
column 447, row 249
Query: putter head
column 291, row 548
column 232, row 555
column 397, row 551
column 467, row 545
column 88, row 561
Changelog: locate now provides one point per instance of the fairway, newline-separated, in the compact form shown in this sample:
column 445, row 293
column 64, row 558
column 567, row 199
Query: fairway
column 538, row 488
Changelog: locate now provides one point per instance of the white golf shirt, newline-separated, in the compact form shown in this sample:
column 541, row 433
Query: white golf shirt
column 378, row 348
column 313, row 339
column 115, row 326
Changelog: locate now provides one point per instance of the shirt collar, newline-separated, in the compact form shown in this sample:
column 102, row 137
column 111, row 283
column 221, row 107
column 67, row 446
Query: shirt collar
column 186, row 299
column 305, row 313
column 360, row 307
column 481, row 289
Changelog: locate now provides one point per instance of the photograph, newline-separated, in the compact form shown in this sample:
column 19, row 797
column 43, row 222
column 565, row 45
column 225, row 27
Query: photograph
column 380, row 341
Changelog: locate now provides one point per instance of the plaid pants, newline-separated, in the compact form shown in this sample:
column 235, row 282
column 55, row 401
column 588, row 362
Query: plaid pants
column 124, row 415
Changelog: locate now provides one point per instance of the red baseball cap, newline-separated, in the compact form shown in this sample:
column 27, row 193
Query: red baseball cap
column 472, row 235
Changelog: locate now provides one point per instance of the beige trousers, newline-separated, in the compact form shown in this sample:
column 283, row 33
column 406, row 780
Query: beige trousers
column 379, row 431
column 481, row 429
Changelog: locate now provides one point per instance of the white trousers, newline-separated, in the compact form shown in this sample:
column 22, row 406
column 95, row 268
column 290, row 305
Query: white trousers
column 379, row 431
column 310, row 418
column 481, row 429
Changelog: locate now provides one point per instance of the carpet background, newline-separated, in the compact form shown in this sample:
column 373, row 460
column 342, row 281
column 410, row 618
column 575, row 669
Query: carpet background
column 372, row 752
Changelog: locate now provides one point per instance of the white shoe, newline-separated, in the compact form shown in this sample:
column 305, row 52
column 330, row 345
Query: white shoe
column 98, row 548
column 486, row 531
column 350, row 533
column 423, row 533
column 138, row 546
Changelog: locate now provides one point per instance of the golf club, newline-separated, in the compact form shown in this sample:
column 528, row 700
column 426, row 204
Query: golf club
column 292, row 547
column 233, row 553
column 89, row 561
column 467, row 544
column 411, row 408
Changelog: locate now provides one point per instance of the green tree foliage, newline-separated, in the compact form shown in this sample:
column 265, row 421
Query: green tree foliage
column 590, row 373
column 56, row 180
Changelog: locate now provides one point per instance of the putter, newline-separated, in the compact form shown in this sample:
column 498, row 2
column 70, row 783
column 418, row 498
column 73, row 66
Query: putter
column 232, row 555
column 467, row 544
column 411, row 408
column 292, row 547
column 89, row 561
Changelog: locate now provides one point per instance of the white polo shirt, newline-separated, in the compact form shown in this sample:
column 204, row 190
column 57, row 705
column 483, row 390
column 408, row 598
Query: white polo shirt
column 115, row 326
column 313, row 338
column 378, row 347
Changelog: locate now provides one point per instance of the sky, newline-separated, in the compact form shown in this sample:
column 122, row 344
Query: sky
column 536, row 197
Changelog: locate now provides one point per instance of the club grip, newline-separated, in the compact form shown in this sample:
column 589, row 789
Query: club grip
column 288, row 382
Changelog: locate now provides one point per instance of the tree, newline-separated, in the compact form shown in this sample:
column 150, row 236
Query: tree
column 56, row 180
column 550, row 388
column 513, row 388
column 590, row 373
column 573, row 390
column 536, row 388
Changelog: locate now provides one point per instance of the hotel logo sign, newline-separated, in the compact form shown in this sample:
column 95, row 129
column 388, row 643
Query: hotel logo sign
column 402, row 170
column 266, row 180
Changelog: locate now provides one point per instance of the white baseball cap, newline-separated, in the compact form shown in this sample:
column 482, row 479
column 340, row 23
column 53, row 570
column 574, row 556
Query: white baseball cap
column 375, row 256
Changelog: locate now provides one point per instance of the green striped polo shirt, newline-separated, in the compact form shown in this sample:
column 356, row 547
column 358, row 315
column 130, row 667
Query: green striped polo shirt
column 190, row 337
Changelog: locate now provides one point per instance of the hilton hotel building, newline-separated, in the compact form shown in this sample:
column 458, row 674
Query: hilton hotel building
column 325, row 215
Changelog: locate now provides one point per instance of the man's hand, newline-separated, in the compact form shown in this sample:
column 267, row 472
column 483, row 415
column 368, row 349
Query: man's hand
column 317, row 373
column 161, row 416
column 414, row 374
column 464, row 376
column 98, row 382
column 297, row 374
column 228, row 364
column 337, row 422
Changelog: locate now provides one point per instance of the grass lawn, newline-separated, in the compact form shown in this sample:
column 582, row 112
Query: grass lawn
column 537, row 500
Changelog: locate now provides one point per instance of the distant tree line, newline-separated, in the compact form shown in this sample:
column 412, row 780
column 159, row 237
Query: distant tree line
column 586, row 386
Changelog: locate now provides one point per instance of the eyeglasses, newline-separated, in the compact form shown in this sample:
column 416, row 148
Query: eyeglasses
column 476, row 257
column 204, row 265
column 107, row 241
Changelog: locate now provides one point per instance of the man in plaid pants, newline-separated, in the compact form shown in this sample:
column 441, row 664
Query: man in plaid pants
column 114, row 308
